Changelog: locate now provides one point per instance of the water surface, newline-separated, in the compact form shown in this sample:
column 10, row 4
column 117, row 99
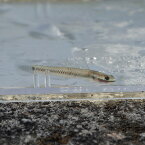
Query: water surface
column 107, row 36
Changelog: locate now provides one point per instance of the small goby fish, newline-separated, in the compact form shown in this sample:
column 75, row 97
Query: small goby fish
column 94, row 75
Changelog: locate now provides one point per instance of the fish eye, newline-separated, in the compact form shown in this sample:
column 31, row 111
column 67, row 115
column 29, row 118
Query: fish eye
column 107, row 78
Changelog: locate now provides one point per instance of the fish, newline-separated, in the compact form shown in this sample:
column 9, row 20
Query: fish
column 76, row 72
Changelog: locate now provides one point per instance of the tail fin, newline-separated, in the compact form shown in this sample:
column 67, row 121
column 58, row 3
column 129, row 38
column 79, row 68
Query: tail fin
column 26, row 68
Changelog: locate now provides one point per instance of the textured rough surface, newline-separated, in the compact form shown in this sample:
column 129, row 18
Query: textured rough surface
column 73, row 123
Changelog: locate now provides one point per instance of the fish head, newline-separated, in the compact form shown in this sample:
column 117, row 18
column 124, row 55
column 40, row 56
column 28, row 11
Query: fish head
column 98, row 76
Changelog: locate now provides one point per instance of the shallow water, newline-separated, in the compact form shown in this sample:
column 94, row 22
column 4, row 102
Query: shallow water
column 107, row 36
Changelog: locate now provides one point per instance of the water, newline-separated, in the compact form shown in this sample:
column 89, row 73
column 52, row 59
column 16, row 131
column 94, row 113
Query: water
column 107, row 36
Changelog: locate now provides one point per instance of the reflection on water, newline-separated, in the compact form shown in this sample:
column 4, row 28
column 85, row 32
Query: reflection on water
column 107, row 36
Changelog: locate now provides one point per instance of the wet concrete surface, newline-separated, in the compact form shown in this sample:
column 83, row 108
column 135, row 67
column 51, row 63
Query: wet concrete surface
column 73, row 123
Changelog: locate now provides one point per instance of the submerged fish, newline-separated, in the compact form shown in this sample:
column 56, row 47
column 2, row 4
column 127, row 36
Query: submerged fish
column 91, row 74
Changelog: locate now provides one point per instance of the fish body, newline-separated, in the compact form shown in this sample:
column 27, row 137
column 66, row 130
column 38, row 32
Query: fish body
column 77, row 72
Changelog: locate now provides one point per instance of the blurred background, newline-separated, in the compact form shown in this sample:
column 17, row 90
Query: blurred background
column 103, row 35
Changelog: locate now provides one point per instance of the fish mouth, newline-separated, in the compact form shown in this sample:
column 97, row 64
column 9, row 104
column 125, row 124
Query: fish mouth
column 107, row 81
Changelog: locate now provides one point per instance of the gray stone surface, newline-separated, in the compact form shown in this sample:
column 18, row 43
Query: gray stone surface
column 73, row 123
